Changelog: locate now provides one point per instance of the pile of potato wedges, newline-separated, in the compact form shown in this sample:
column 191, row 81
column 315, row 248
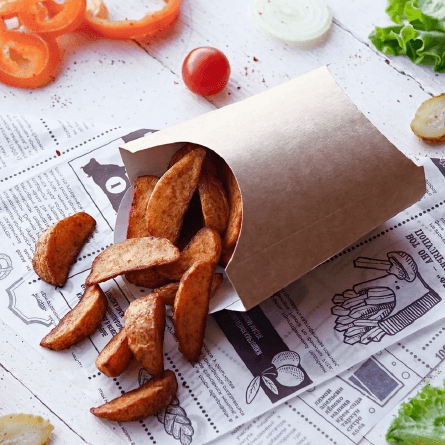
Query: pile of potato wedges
column 180, row 227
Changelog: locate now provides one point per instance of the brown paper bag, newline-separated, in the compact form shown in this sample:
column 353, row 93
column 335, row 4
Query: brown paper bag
column 314, row 173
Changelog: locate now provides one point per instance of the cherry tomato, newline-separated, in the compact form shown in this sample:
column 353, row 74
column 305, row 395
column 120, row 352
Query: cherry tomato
column 206, row 70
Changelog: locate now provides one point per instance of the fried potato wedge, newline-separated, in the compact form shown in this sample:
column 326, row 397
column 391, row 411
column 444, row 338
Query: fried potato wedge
column 429, row 121
column 216, row 284
column 59, row 245
column 172, row 194
column 214, row 203
column 226, row 254
column 147, row 278
column 235, row 209
column 142, row 189
column 24, row 429
column 185, row 149
column 205, row 246
column 132, row 254
column 79, row 322
column 116, row 356
column 145, row 401
column 144, row 327
column 168, row 292
column 191, row 308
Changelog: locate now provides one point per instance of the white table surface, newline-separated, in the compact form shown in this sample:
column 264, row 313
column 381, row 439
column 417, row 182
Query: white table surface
column 131, row 83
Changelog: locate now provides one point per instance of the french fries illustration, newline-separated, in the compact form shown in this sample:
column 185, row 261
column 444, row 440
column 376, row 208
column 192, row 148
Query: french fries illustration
column 364, row 313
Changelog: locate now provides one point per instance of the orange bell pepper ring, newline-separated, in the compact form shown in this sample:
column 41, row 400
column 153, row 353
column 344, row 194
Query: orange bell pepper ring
column 9, row 8
column 97, row 18
column 48, row 18
column 27, row 60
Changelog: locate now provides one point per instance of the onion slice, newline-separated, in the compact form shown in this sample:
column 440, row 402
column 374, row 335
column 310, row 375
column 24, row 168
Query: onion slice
column 293, row 21
column 429, row 121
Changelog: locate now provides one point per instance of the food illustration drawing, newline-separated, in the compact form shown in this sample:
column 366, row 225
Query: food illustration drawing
column 372, row 309
column 285, row 370
column 176, row 423
column 5, row 266
column 173, row 416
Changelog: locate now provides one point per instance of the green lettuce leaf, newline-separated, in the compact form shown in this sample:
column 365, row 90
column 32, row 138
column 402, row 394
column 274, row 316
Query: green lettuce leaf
column 421, row 420
column 434, row 9
column 419, row 33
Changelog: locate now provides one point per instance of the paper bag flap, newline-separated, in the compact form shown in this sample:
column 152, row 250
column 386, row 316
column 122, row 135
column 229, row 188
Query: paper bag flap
column 314, row 173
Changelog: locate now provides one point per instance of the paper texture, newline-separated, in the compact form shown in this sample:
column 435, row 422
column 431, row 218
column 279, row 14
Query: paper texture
column 251, row 362
column 314, row 173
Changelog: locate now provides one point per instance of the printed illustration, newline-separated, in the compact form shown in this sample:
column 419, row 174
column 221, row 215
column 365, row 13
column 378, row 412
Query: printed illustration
column 274, row 368
column 176, row 423
column 5, row 265
column 19, row 305
column 383, row 306
column 111, row 178
column 374, row 381
column 285, row 371
column 173, row 417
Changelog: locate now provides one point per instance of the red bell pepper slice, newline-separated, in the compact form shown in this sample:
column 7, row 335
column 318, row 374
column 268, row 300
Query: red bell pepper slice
column 27, row 60
column 48, row 18
column 97, row 18
column 10, row 8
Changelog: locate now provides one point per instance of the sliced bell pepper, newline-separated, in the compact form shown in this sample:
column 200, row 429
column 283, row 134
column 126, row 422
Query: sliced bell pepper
column 10, row 8
column 48, row 18
column 27, row 60
column 97, row 18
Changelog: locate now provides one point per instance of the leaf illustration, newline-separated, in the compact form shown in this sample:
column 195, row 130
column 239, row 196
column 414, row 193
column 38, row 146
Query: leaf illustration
column 252, row 389
column 270, row 384
column 272, row 371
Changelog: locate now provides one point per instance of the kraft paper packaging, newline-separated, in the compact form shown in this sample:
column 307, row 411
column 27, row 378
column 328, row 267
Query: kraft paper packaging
column 314, row 173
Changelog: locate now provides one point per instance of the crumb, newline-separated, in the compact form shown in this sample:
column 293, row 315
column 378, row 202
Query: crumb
column 255, row 59
column 58, row 152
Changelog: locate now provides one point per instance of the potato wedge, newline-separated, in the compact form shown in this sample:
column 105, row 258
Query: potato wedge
column 144, row 327
column 147, row 278
column 429, row 121
column 79, row 322
column 185, row 149
column 59, row 245
column 142, row 189
column 191, row 308
column 132, row 254
column 168, row 292
column 205, row 246
column 226, row 255
column 172, row 194
column 214, row 203
column 217, row 280
column 235, row 209
column 142, row 402
column 116, row 356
